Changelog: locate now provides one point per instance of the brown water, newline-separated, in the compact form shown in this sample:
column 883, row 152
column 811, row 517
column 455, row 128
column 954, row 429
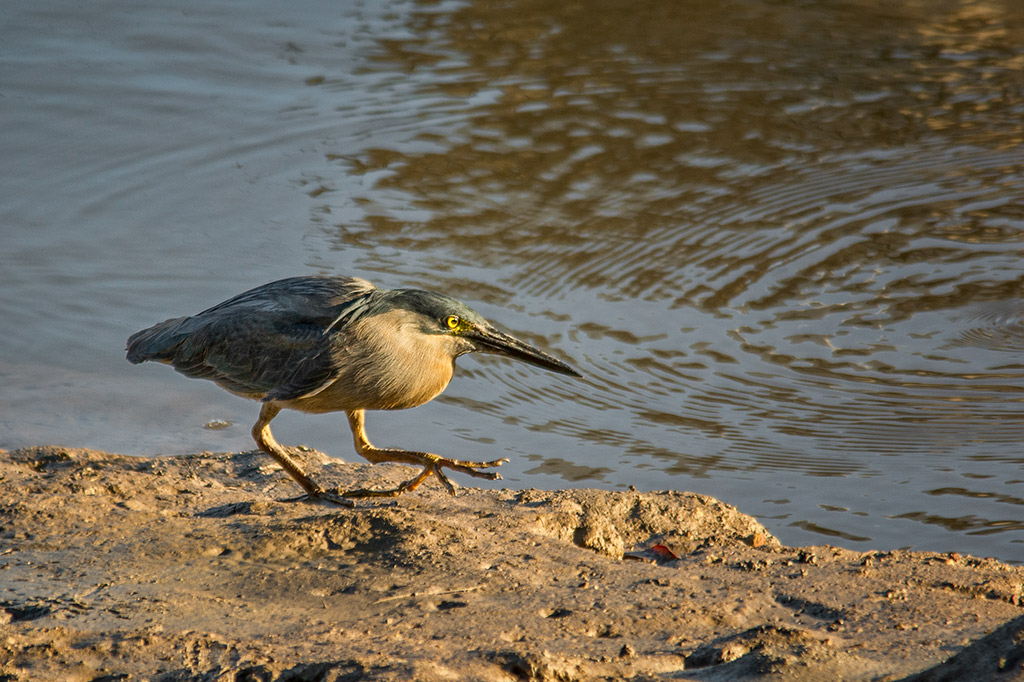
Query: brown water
column 781, row 239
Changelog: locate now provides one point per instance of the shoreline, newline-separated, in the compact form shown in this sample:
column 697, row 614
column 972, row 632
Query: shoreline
column 203, row 567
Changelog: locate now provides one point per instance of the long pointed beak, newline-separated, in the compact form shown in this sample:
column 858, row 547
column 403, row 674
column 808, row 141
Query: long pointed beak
column 490, row 340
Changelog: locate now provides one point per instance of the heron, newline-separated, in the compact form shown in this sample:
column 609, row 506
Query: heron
column 336, row 344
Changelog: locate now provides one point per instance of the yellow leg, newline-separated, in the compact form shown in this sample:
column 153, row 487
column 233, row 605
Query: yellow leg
column 431, row 463
column 265, row 441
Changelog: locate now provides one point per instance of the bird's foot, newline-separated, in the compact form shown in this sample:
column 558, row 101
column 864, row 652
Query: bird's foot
column 432, row 465
column 321, row 495
column 334, row 498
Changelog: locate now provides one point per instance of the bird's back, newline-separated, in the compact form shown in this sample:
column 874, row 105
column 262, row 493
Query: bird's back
column 271, row 340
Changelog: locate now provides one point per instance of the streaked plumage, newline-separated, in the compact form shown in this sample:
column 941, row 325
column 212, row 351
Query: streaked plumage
column 325, row 344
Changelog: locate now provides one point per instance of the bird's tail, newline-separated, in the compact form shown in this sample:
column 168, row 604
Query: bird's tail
column 158, row 342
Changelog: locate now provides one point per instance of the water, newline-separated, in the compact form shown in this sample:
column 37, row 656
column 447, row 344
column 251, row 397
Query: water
column 782, row 240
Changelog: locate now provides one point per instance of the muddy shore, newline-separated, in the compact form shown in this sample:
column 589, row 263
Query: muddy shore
column 200, row 567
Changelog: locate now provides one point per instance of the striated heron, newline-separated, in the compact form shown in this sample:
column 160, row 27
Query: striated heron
column 328, row 344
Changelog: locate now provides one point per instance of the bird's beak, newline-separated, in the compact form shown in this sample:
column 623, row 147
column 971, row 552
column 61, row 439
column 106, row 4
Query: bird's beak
column 490, row 340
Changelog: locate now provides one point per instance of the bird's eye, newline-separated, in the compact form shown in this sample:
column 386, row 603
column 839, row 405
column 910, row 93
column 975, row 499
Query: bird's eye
column 452, row 321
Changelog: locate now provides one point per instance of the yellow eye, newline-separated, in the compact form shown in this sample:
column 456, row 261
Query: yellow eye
column 453, row 321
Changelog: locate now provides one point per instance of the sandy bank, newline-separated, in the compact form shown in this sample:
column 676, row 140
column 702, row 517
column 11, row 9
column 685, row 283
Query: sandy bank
column 199, row 568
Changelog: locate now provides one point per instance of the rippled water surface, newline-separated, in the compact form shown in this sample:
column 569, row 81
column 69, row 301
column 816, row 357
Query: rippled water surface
column 783, row 240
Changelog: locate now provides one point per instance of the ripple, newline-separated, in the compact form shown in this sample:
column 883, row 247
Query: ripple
column 779, row 255
column 1001, row 328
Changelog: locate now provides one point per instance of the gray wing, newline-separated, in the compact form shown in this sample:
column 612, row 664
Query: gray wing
column 274, row 342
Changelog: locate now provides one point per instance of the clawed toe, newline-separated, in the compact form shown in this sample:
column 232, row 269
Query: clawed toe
column 332, row 496
column 471, row 467
column 433, row 465
column 335, row 497
column 325, row 496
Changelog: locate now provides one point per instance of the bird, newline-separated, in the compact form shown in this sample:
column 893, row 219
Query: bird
column 321, row 344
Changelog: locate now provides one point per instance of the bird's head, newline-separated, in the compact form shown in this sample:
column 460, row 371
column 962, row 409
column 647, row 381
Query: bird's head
column 469, row 332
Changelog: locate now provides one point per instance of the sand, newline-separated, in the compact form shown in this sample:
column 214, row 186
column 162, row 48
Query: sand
column 203, row 567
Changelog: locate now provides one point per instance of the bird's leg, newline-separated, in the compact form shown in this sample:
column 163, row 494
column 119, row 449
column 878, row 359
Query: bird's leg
column 265, row 441
column 431, row 463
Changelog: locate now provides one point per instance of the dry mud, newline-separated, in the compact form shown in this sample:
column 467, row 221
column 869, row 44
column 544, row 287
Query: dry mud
column 200, row 568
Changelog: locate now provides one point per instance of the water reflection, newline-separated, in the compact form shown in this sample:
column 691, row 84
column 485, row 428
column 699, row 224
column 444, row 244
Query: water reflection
column 996, row 326
column 783, row 239
column 772, row 221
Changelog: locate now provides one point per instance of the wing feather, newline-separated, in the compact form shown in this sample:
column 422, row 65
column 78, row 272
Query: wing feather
column 274, row 342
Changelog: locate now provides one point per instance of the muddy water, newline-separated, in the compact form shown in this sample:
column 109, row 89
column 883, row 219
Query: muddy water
column 782, row 241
